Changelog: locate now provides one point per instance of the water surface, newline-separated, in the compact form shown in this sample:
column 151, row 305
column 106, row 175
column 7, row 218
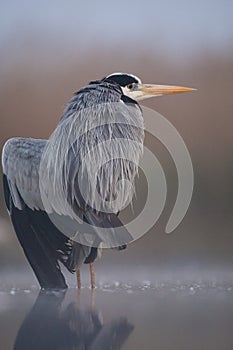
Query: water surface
column 163, row 315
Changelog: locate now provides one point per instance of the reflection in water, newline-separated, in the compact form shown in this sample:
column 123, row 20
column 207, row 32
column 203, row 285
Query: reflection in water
column 49, row 326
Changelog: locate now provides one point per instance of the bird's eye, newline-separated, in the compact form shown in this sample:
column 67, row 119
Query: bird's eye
column 130, row 86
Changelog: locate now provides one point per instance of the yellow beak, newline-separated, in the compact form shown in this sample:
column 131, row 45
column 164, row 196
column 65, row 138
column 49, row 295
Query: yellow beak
column 157, row 90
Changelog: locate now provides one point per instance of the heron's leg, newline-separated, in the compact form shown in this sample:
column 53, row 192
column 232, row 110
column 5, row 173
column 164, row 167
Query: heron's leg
column 78, row 276
column 92, row 275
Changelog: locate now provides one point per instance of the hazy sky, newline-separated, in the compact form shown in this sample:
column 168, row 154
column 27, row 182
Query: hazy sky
column 174, row 24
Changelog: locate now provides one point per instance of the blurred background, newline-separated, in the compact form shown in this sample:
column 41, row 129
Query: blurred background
column 48, row 50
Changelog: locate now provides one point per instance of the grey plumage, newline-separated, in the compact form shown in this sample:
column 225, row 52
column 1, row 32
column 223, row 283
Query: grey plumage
column 95, row 147
column 75, row 157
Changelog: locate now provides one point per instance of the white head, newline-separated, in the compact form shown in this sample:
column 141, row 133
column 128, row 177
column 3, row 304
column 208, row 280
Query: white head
column 132, row 87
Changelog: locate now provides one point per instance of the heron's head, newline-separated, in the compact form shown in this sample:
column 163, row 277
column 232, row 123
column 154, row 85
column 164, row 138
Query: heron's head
column 133, row 87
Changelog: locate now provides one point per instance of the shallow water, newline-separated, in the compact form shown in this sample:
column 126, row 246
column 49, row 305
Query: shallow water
column 117, row 315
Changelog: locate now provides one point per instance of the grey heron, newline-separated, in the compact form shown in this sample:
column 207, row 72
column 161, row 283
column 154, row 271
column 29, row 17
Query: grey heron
column 58, row 161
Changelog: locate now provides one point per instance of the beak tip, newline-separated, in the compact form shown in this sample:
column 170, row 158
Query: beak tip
column 184, row 89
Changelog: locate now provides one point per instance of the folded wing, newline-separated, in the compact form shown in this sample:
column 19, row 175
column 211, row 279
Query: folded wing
column 43, row 244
